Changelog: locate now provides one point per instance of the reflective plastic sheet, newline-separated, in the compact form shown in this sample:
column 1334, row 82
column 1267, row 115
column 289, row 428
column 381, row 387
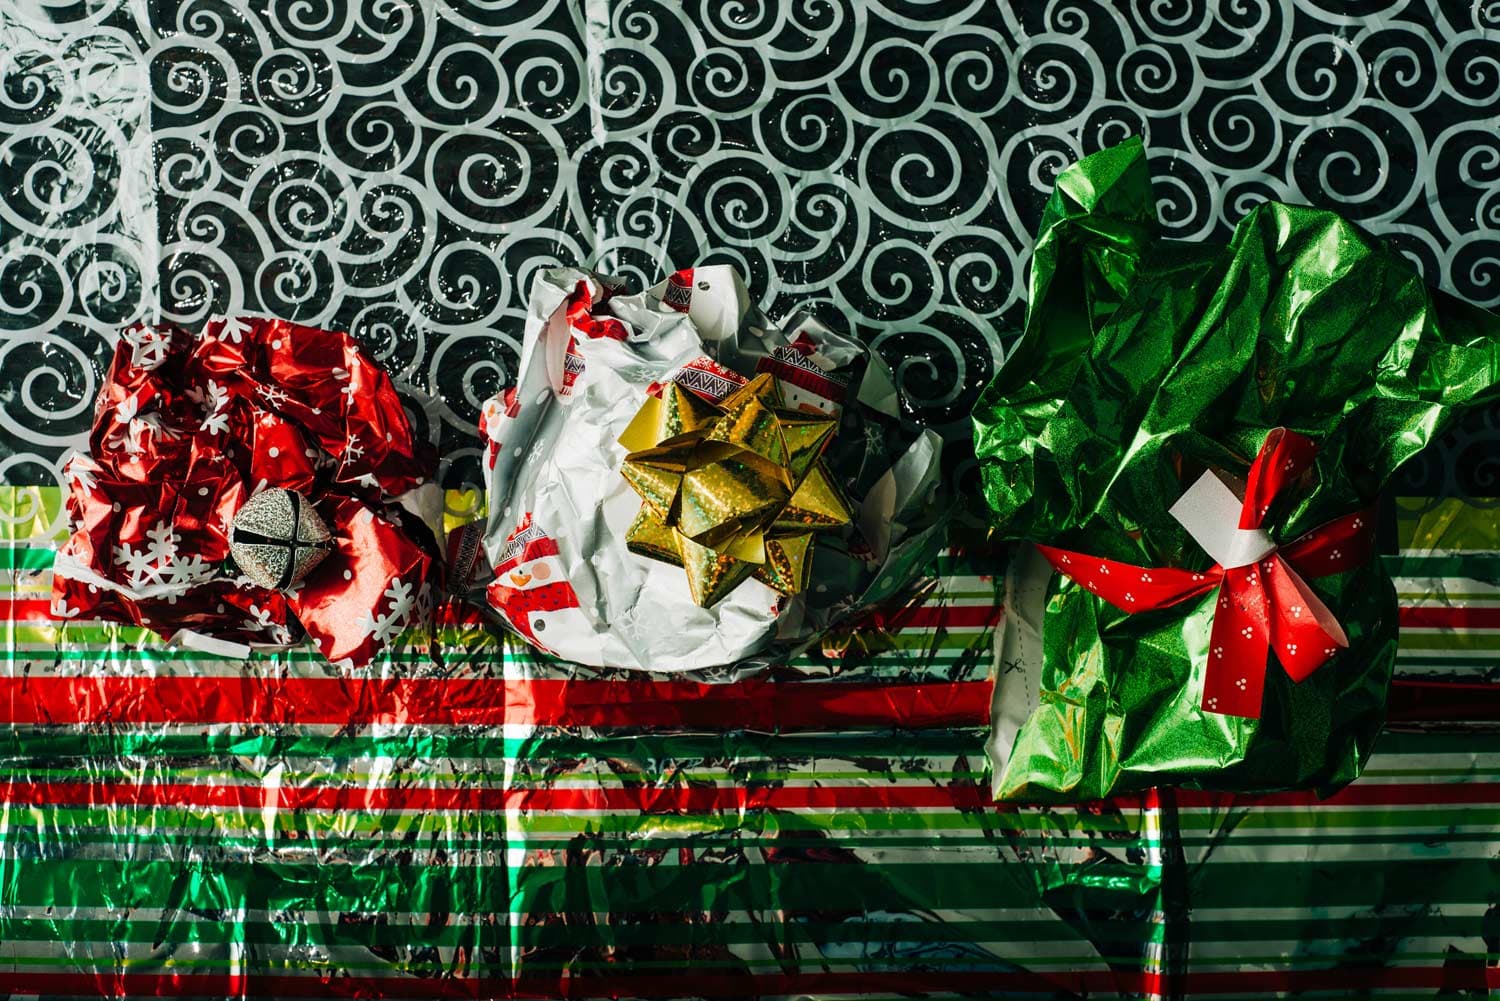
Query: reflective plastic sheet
column 482, row 823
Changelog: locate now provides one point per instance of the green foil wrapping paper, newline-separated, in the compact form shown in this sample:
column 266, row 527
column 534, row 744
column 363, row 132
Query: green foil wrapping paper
column 1145, row 361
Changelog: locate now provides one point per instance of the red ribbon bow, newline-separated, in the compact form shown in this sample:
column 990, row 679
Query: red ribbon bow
column 1264, row 605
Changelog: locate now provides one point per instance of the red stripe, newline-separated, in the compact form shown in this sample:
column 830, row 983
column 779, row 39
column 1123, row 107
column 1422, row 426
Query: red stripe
column 29, row 609
column 1443, row 701
column 678, row 799
column 1459, row 617
column 671, row 799
column 759, row 704
column 1349, row 981
column 1346, row 980
column 575, row 986
column 39, row 610
column 950, row 616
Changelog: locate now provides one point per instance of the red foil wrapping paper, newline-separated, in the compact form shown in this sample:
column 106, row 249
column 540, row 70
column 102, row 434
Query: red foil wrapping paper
column 186, row 429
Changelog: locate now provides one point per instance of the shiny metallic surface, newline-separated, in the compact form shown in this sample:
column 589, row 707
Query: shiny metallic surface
column 1145, row 361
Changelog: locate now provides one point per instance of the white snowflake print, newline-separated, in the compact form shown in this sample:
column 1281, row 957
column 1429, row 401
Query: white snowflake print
column 274, row 395
column 160, row 562
column 147, row 427
column 234, row 330
column 187, row 572
column 162, row 542
column 60, row 609
column 148, row 347
column 384, row 627
column 345, row 375
column 80, row 473
column 352, row 448
column 138, row 564
column 214, row 400
column 260, row 620
column 216, row 422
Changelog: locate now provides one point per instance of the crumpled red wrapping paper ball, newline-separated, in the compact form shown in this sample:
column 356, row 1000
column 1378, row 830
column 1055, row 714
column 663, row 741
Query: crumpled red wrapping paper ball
column 186, row 429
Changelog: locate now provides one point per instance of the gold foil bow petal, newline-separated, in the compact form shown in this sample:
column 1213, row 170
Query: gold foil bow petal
column 730, row 490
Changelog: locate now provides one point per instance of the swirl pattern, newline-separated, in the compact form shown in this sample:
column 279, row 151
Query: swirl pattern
column 400, row 168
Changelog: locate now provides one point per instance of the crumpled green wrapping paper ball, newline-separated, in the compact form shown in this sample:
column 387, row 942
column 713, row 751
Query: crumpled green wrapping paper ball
column 1146, row 360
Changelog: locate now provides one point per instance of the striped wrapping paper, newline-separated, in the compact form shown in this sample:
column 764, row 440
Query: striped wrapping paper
column 468, row 821
column 1447, row 575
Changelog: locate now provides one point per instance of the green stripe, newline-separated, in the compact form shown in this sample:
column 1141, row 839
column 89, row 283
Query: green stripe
column 181, row 825
column 66, row 824
column 856, row 930
column 461, row 836
column 567, row 969
column 26, row 557
column 42, row 747
column 34, row 556
column 1352, row 928
column 1394, row 744
column 83, row 824
column 399, row 887
column 1481, row 567
column 1429, row 818
column 1453, row 639
column 318, row 775
column 1425, row 836
column 1408, row 662
column 1341, row 883
column 674, row 933
column 124, row 644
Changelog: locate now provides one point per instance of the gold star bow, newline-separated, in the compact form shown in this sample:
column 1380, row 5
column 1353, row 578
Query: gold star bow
column 731, row 490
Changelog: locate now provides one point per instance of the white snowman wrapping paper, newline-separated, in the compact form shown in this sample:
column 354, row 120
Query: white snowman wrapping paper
column 559, row 508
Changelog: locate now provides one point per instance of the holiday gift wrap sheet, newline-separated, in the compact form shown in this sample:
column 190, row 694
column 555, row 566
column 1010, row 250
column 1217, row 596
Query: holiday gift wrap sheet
column 479, row 822
column 486, row 824
column 470, row 820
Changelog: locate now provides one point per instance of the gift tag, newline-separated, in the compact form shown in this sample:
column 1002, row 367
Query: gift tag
column 1210, row 511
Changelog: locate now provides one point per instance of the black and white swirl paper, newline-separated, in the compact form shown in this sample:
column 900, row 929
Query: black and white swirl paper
column 401, row 168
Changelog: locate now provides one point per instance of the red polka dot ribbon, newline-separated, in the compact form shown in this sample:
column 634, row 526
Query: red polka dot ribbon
column 1264, row 605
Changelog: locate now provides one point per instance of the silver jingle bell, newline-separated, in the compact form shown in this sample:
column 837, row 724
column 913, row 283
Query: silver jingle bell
column 277, row 538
